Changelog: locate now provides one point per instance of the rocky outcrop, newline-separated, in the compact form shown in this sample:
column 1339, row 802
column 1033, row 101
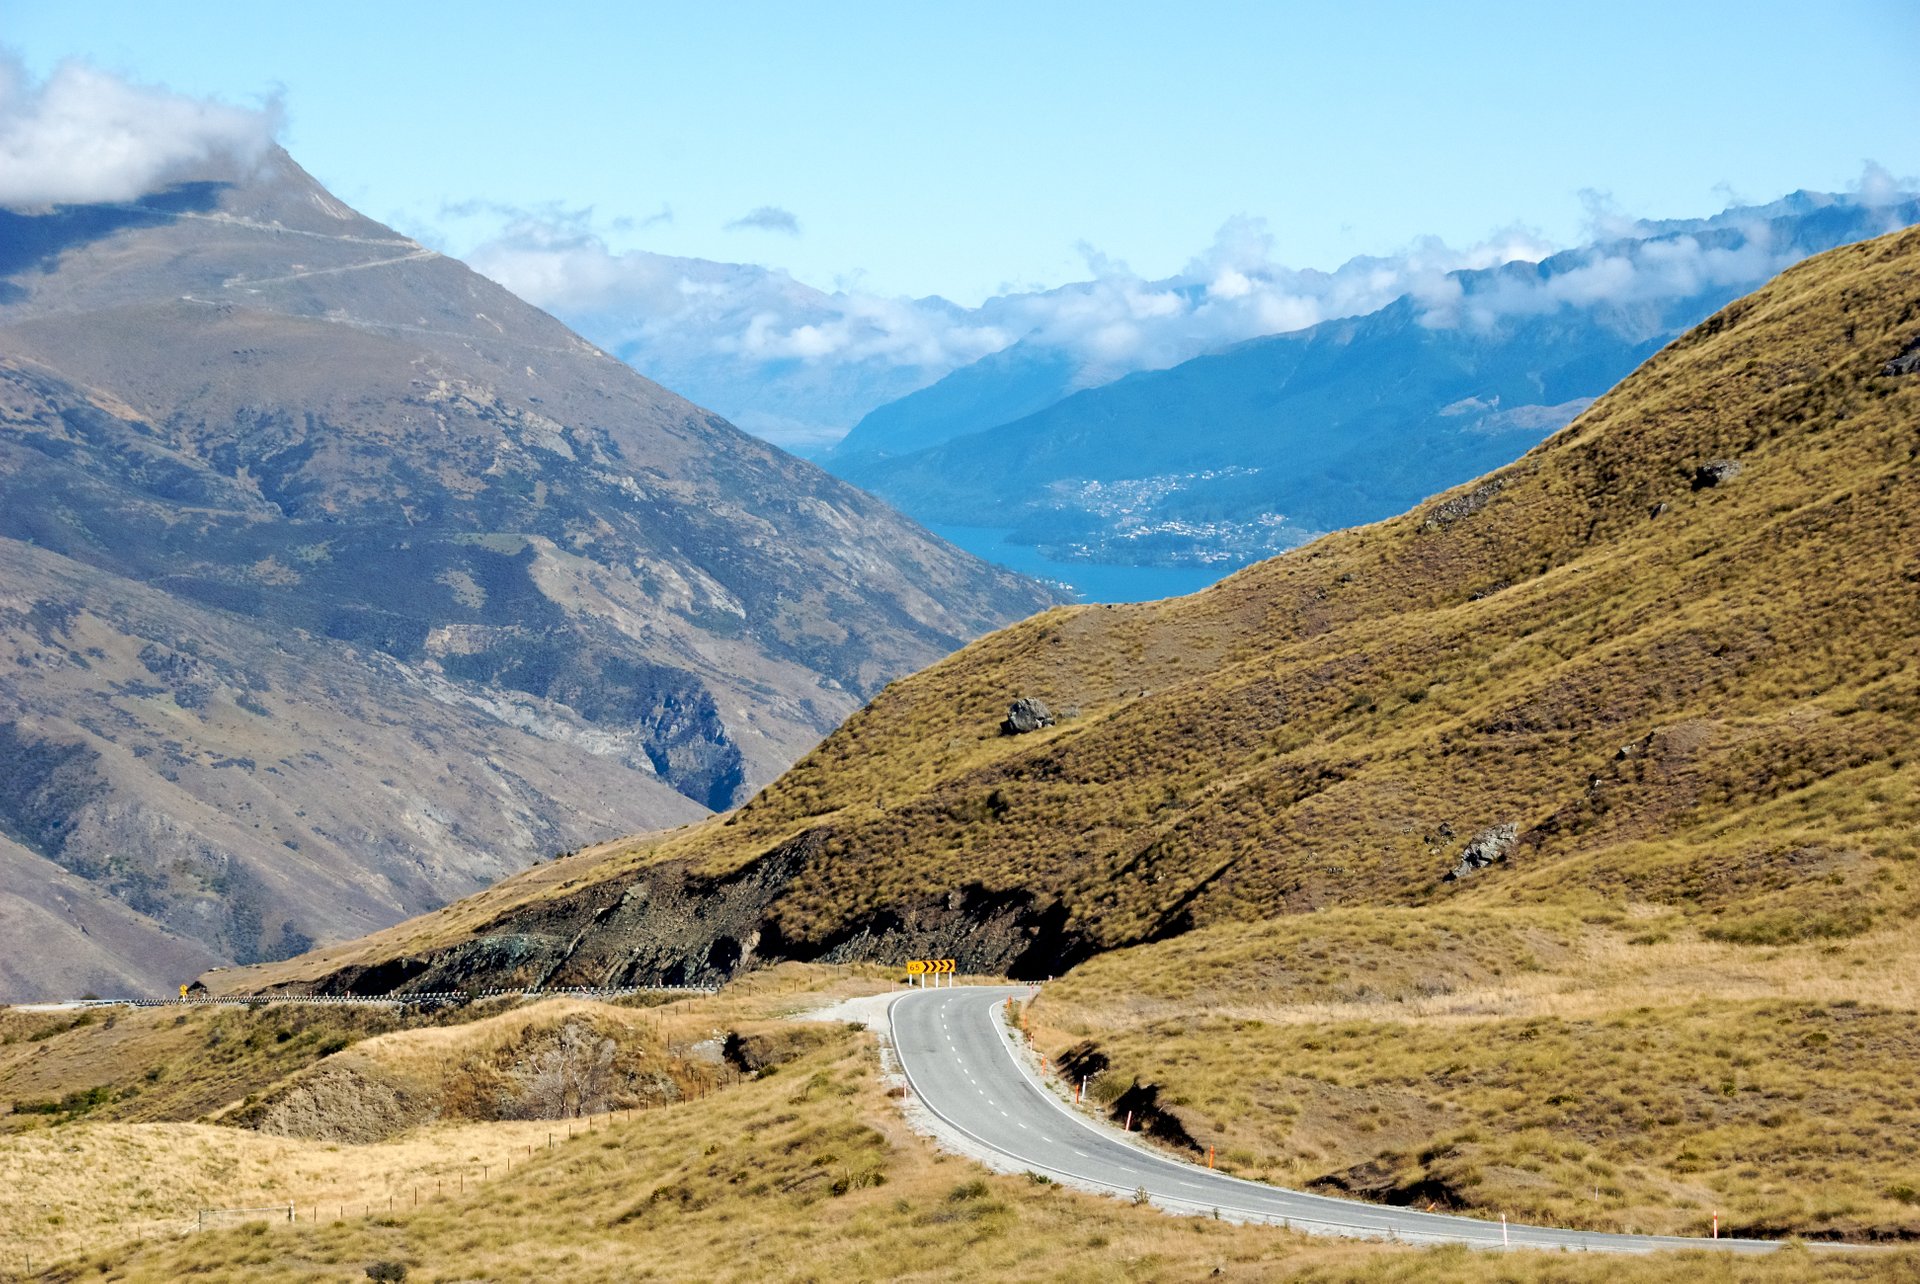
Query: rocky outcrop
column 1490, row 846
column 1908, row 362
column 1717, row 473
column 1462, row 506
column 1024, row 715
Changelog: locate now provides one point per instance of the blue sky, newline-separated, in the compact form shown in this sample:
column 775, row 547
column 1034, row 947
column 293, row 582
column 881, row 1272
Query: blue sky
column 960, row 149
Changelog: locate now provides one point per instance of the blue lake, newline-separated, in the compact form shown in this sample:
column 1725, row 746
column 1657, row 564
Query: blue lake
column 1091, row 581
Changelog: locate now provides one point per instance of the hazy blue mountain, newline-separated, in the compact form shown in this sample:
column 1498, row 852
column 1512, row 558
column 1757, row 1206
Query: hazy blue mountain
column 1238, row 454
column 1006, row 385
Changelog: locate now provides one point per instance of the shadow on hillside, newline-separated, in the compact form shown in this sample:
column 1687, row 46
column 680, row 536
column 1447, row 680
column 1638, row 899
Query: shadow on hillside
column 36, row 241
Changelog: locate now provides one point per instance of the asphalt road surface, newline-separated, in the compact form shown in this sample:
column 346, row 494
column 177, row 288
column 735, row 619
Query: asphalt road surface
column 959, row 1058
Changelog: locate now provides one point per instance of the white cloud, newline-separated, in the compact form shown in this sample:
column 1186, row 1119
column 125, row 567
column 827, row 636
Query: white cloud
column 84, row 135
column 753, row 341
column 767, row 218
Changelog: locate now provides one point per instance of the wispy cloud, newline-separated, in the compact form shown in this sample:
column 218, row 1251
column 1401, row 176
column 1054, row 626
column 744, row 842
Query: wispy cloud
column 748, row 339
column 767, row 218
column 84, row 135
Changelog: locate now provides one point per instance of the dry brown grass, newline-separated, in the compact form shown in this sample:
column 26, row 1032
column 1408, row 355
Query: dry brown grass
column 1691, row 985
column 1701, row 708
column 1609, row 1071
column 810, row 1174
column 91, row 1186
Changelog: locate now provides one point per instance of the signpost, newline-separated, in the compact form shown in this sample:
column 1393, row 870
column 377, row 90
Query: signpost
column 920, row 969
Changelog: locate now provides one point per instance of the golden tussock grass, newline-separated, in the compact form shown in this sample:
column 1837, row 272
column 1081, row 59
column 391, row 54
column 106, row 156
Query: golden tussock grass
column 1689, row 985
column 1603, row 1070
column 1590, row 644
column 811, row 1174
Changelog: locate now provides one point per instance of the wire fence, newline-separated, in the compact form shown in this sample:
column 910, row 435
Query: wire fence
column 408, row 997
column 395, row 1198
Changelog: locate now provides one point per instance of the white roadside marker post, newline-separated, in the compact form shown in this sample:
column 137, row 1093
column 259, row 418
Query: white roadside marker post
column 1504, row 1241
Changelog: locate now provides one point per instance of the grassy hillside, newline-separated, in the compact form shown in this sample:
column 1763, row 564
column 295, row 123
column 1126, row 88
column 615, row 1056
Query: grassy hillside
column 800, row 1170
column 1602, row 1070
column 1649, row 695
column 1672, row 647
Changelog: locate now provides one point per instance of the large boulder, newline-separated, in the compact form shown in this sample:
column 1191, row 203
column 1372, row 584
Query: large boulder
column 1908, row 362
column 1024, row 715
column 1717, row 473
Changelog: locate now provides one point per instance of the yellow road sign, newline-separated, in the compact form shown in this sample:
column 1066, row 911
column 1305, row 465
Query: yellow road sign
column 915, row 967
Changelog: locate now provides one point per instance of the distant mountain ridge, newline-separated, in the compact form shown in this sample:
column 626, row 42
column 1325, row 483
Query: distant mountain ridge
column 1236, row 455
column 336, row 581
column 1663, row 661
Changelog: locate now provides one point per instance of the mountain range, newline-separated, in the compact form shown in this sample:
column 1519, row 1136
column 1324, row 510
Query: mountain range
column 1235, row 455
column 336, row 582
column 1663, row 660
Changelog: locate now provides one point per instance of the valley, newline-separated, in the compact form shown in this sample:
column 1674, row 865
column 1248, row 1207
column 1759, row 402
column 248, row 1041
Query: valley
column 1231, row 456
column 1545, row 852
column 1114, row 645
column 338, row 583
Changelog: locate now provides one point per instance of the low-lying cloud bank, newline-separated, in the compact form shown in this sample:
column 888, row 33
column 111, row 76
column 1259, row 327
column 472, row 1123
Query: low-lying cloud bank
column 83, row 136
column 801, row 364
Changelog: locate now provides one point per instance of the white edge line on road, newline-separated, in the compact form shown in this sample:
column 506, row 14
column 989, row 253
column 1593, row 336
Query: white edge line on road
column 1605, row 1241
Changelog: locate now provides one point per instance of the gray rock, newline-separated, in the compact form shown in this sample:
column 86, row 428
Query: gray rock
column 1908, row 362
column 1460, row 507
column 1717, row 473
column 1024, row 715
column 1490, row 846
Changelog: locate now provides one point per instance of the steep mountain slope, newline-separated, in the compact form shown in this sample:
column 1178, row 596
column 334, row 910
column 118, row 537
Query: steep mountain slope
column 338, row 582
column 1017, row 381
column 1234, row 456
column 1672, row 649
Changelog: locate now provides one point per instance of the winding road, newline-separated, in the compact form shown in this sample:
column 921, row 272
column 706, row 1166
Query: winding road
column 960, row 1059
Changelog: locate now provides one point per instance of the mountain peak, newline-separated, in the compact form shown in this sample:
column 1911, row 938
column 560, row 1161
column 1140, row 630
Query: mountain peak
column 517, row 596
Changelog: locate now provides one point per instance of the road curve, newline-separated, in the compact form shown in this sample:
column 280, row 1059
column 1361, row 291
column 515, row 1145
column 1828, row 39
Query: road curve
column 959, row 1058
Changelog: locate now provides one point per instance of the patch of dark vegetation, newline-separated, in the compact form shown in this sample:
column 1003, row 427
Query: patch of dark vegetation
column 1390, row 1180
column 1139, row 1104
column 45, row 785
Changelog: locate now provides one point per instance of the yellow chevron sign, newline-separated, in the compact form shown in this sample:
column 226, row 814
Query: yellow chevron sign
column 929, row 967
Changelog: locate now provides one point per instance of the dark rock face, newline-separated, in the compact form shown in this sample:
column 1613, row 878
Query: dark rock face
column 1024, row 715
column 670, row 925
column 1490, row 846
column 1908, row 362
column 1717, row 473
